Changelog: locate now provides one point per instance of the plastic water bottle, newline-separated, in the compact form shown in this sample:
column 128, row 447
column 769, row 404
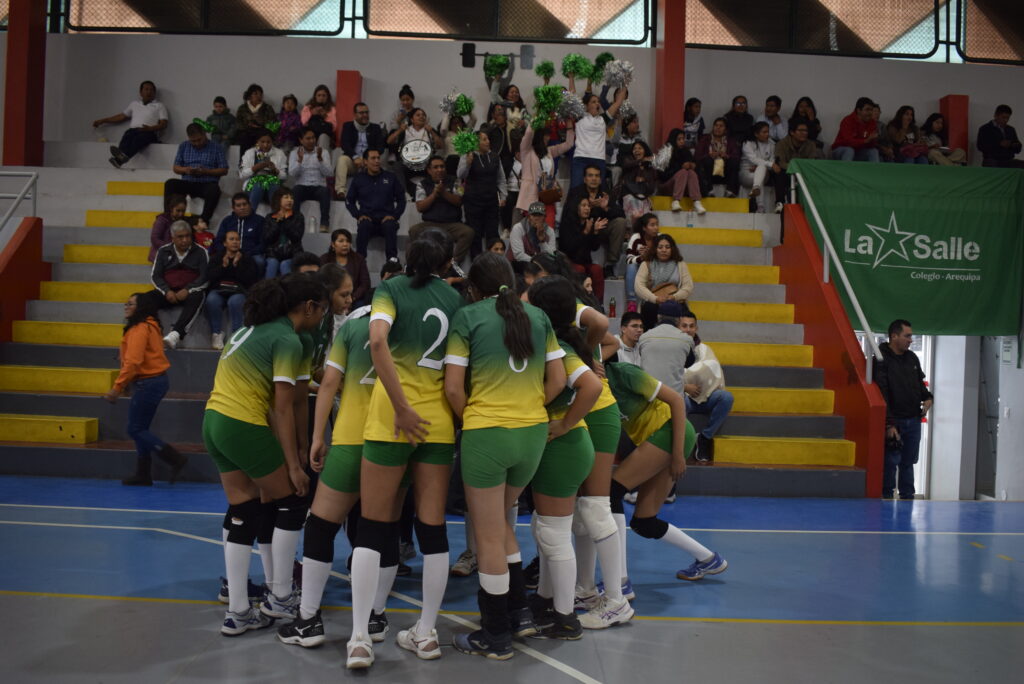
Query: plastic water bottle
column 311, row 226
column 689, row 219
column 611, row 308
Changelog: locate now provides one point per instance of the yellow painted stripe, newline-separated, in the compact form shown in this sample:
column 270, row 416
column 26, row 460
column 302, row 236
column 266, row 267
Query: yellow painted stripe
column 150, row 189
column 782, row 400
column 719, row 204
column 785, row 451
column 56, row 379
column 747, row 312
column 715, row 236
column 77, row 334
column 733, row 273
column 106, row 254
column 977, row 545
column 67, row 291
column 105, row 218
column 1006, row 558
column 48, row 429
column 754, row 354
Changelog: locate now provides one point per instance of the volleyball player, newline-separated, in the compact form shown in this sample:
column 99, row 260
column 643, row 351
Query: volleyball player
column 261, row 361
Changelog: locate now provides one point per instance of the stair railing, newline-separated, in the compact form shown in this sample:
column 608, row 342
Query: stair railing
column 28, row 191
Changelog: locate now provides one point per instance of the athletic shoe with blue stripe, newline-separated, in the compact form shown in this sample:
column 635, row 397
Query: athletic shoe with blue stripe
column 240, row 623
column 483, row 643
column 255, row 591
column 699, row 569
column 627, row 589
column 275, row 607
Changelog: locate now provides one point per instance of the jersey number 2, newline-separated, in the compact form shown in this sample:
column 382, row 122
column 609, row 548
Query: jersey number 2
column 442, row 334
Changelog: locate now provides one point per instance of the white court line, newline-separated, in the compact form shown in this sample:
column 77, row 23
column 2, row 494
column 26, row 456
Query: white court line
column 457, row 619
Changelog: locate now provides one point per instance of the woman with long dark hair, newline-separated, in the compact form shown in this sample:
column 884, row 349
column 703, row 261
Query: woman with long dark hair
column 321, row 115
column 341, row 252
column 693, row 122
column 663, row 275
column 677, row 171
column 806, row 113
column 934, row 134
column 282, row 234
column 252, row 118
column 645, row 229
column 718, row 159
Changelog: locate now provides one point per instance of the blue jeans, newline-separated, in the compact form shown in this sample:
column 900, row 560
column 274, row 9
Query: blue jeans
column 718, row 406
column 579, row 164
column 146, row 396
column 215, row 302
column 276, row 267
column 260, row 194
column 901, row 461
column 631, row 270
column 261, row 263
column 921, row 159
column 868, row 154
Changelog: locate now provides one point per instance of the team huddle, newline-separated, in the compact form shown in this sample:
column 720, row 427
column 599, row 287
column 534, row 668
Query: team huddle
column 517, row 379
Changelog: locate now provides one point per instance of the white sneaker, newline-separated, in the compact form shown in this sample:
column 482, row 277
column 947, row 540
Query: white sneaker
column 676, row 206
column 240, row 623
column 360, row 653
column 465, row 565
column 586, row 599
column 217, row 340
column 630, row 498
column 171, row 339
column 274, row 607
column 778, row 207
column 607, row 613
column 425, row 647
column 699, row 208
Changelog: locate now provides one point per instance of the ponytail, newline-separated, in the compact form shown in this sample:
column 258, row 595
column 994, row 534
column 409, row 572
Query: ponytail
column 275, row 297
column 554, row 295
column 559, row 264
column 491, row 275
column 145, row 307
column 426, row 258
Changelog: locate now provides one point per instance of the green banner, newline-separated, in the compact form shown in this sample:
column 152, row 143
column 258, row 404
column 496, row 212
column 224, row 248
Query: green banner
column 942, row 247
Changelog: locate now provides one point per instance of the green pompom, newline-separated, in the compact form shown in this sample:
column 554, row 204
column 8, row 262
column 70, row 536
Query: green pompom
column 466, row 141
column 548, row 97
column 464, row 105
column 545, row 69
column 597, row 75
column 208, row 127
column 273, row 126
column 575, row 64
column 495, row 65
column 539, row 123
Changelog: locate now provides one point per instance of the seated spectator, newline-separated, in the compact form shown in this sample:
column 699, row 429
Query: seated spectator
column 739, row 121
column 230, row 274
column 629, row 134
column 796, row 145
column 440, row 205
column 200, row 165
column 291, row 124
column 148, row 117
column 718, row 159
column 806, row 112
column 249, row 226
column 645, row 230
column 376, row 201
column 630, row 329
column 704, row 389
column 357, row 136
column 934, row 134
column 663, row 276
column 342, row 253
column 579, row 234
column 663, row 349
column 998, row 141
column 406, row 103
column 539, row 173
column 223, row 122
column 252, row 116
column 886, row 151
column 308, row 167
column 321, row 115
column 591, row 134
column 263, row 169
column 496, row 245
column 638, row 183
column 857, row 139
column 778, row 128
column 530, row 237
column 485, row 191
column 306, row 262
column 282, row 233
column 450, row 126
column 407, row 142
column 758, row 165
column 677, row 171
column 601, row 207
column 693, row 122
column 906, row 139
column 160, row 234
column 201, row 234
column 179, row 276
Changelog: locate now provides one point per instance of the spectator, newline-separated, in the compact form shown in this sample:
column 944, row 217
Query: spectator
column 645, row 230
column 291, row 124
column 231, row 273
column 306, row 262
column 677, row 171
column 778, row 128
column 998, row 141
column 485, row 191
column 179, row 276
column 629, row 134
column 263, row 169
column 376, row 202
column 440, row 205
column 342, row 253
column 357, row 136
column 406, row 103
column 498, row 133
column 148, row 117
column 505, row 93
column 796, row 145
column 579, row 234
column 530, row 237
column 806, row 112
column 591, row 133
column 321, row 115
column 704, row 389
column 639, row 182
column 693, row 122
column 601, row 207
column 252, row 116
column 539, row 172
column 857, row 139
column 144, row 366
column 309, row 166
column 906, row 139
column 282, row 233
column 249, row 226
column 663, row 276
column 739, row 121
column 201, row 234
column 496, row 245
column 886, row 152
column 223, row 122
column 450, row 126
column 934, row 134
column 630, row 329
column 200, row 165
column 758, row 165
column 407, row 141
column 718, row 158
column 160, row 234
column 664, row 348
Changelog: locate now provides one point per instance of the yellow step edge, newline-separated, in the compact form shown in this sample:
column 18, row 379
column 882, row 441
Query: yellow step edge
column 75, row 334
column 106, row 218
column 715, row 236
column 106, row 254
column 67, row 291
column 149, row 189
column 48, row 429
column 760, row 354
column 734, row 273
column 778, row 400
column 746, row 312
column 785, row 451
column 719, row 204
column 56, row 379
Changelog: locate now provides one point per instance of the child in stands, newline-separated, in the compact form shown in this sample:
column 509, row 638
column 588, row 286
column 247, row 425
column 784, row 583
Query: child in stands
column 223, row 122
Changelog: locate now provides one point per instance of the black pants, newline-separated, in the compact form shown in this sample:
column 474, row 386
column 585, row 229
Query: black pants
column 189, row 309
column 135, row 140
column 210, row 192
column 731, row 178
column 482, row 217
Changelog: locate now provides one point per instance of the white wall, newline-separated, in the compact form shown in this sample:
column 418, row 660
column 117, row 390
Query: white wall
column 1010, row 442
column 954, row 417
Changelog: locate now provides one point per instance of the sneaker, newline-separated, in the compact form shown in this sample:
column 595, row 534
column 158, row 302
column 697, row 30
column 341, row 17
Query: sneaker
column 607, row 613
column 609, row 272
column 699, row 569
column 676, row 206
column 520, row 622
column 699, row 208
column 564, row 627
column 360, row 653
column 465, row 565
column 483, row 643
column 378, row 626
column 113, row 162
column 171, row 339
column 306, row 633
column 425, row 647
column 755, row 191
column 531, row 573
column 671, row 498
column 275, row 607
column 217, row 341
column 403, row 570
column 406, row 551
column 586, row 599
column 705, row 449
column 778, row 207
column 120, row 156
column 730, row 194
column 627, row 589
column 239, row 623
column 542, row 609
column 630, row 498
column 255, row 591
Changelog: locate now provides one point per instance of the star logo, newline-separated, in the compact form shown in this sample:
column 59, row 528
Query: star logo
column 891, row 240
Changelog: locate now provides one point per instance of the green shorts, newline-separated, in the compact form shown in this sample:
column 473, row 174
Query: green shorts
column 496, row 455
column 566, row 463
column 403, row 453
column 341, row 469
column 236, row 445
column 604, row 426
column 662, row 438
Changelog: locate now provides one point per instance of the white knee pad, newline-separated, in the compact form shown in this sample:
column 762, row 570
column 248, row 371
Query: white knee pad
column 553, row 535
column 595, row 513
column 578, row 528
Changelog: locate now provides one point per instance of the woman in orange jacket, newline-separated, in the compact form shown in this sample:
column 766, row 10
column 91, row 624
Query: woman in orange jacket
column 144, row 366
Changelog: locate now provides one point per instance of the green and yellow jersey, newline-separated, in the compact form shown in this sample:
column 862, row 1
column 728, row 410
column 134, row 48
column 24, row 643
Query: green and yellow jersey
column 350, row 354
column 574, row 368
column 503, row 392
column 607, row 398
column 643, row 413
column 420, row 320
column 253, row 359
column 316, row 342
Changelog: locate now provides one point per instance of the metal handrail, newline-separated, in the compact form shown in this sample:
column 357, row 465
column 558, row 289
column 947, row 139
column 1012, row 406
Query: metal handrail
column 30, row 185
column 829, row 250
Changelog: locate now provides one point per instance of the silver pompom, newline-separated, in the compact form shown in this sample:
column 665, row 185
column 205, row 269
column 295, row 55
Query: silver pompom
column 626, row 110
column 618, row 73
column 448, row 103
column 571, row 107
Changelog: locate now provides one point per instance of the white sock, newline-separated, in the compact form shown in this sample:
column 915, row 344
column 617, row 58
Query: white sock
column 544, row 588
column 563, row 584
column 384, row 585
column 236, row 568
column 586, row 563
column 676, row 537
column 611, row 565
column 267, row 557
column 495, row 585
column 283, row 552
column 364, row 580
column 516, row 557
column 470, row 536
column 620, row 520
column 435, row 580
column 512, row 515
column 314, row 579
column 224, row 535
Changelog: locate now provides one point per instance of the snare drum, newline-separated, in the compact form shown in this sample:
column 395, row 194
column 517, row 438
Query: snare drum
column 415, row 153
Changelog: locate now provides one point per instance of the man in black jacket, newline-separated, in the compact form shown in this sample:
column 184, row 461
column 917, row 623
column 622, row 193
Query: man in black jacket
column 613, row 235
column 907, row 400
column 179, row 276
column 356, row 137
column 998, row 141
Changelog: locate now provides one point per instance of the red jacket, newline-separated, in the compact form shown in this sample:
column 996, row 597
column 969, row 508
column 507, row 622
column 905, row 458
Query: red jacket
column 854, row 133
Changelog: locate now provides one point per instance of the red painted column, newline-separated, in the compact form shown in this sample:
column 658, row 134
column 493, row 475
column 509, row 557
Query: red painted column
column 23, row 90
column 954, row 109
column 670, row 63
column 348, row 90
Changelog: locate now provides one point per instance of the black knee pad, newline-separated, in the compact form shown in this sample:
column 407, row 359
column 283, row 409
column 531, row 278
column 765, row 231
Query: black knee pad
column 618, row 491
column 291, row 512
column 390, row 556
column 649, row 528
column 243, row 522
column 268, row 517
column 226, row 524
column 376, row 535
column 318, row 542
column 432, row 538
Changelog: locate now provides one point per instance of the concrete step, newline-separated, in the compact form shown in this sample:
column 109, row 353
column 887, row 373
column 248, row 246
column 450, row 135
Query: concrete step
column 56, row 379
column 785, row 451
column 73, row 334
column 105, row 312
column 708, row 292
column 726, row 254
column 106, row 254
column 145, row 188
column 758, row 354
column 766, row 333
column 776, row 425
column 728, row 479
column 106, row 218
column 49, row 429
column 71, row 291
column 730, row 273
column 124, row 273
column 770, row 225
column 55, row 237
column 715, row 236
column 108, row 460
column 53, row 326
column 769, row 376
column 744, row 312
column 782, row 400
column 720, row 205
